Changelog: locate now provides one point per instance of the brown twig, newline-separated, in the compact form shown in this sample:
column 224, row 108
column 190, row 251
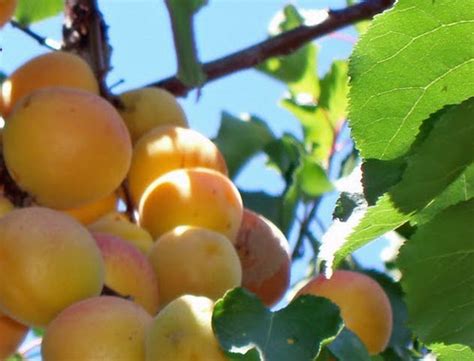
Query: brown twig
column 280, row 45
column 42, row 40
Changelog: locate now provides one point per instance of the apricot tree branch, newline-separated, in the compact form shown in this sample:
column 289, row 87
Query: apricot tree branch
column 42, row 40
column 279, row 45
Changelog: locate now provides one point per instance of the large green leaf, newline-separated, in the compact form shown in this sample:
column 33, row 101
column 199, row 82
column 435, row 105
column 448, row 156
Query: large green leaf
column 30, row 11
column 239, row 140
column 437, row 264
column 348, row 347
column 452, row 352
column 299, row 69
column 413, row 60
column 296, row 332
column 181, row 14
column 439, row 160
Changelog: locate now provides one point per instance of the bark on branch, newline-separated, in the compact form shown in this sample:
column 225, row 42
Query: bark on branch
column 280, row 45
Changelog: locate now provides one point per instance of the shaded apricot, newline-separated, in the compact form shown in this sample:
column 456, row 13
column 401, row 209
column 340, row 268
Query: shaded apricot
column 194, row 260
column 52, row 69
column 265, row 257
column 7, row 9
column 167, row 148
column 117, row 224
column 128, row 271
column 99, row 328
column 365, row 308
column 47, row 261
column 146, row 108
column 12, row 334
column 66, row 147
column 183, row 331
column 91, row 212
column 193, row 196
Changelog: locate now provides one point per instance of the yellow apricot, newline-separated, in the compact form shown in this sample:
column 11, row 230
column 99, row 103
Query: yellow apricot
column 128, row 271
column 66, row 147
column 193, row 196
column 5, row 206
column 91, row 212
column 100, row 328
column 365, row 308
column 182, row 331
column 12, row 334
column 48, row 70
column 146, row 108
column 47, row 261
column 167, row 148
column 265, row 257
column 7, row 9
column 194, row 260
column 118, row 225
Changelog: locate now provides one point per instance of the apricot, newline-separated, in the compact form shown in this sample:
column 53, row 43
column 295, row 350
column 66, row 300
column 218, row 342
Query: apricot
column 53, row 69
column 365, row 308
column 47, row 261
column 183, row 331
column 146, row 108
column 66, row 147
column 91, row 212
column 167, row 148
column 100, row 328
column 128, row 271
column 194, row 196
column 118, row 225
column 5, row 205
column 194, row 260
column 265, row 257
column 7, row 9
column 12, row 334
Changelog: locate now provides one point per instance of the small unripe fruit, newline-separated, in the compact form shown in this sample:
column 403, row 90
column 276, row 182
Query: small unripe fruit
column 194, row 260
column 100, row 328
column 12, row 334
column 365, row 308
column 265, row 257
column 182, row 331
column 66, row 147
column 146, row 108
column 53, row 69
column 128, row 271
column 194, row 196
column 47, row 261
column 167, row 148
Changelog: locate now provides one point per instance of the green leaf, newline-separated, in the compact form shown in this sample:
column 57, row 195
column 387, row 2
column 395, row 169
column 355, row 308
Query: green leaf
column 239, row 140
column 312, row 179
column 265, row 204
column 284, row 155
column 334, row 91
column 181, row 14
column 296, row 332
column 413, row 60
column 349, row 163
column 346, row 204
column 31, row 11
column 348, row 347
column 452, row 352
column 428, row 173
column 438, row 267
column 298, row 70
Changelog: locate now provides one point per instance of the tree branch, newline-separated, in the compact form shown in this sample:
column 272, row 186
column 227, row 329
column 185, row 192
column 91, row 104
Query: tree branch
column 279, row 45
column 42, row 40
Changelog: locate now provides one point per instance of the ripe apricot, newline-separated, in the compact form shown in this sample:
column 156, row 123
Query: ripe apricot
column 5, row 206
column 364, row 306
column 183, row 331
column 265, row 256
column 12, row 334
column 193, row 196
column 146, row 108
column 194, row 260
column 167, row 148
column 99, row 328
column 66, row 147
column 7, row 9
column 117, row 224
column 47, row 261
column 53, row 69
column 128, row 271
column 91, row 212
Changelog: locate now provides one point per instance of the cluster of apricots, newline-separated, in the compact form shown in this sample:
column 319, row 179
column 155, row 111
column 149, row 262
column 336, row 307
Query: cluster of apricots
column 141, row 285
